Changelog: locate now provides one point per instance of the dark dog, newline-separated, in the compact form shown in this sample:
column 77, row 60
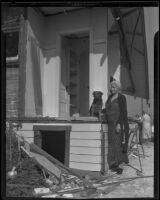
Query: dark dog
column 96, row 107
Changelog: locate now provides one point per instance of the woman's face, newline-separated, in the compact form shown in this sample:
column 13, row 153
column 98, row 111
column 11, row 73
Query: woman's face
column 114, row 89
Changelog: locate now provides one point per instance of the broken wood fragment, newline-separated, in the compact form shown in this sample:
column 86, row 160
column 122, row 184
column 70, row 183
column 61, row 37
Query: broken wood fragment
column 69, row 190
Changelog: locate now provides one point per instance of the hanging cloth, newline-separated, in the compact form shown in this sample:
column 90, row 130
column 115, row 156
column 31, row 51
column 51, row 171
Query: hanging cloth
column 36, row 75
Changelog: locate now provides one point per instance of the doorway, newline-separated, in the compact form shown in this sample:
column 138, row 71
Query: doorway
column 74, row 89
column 53, row 142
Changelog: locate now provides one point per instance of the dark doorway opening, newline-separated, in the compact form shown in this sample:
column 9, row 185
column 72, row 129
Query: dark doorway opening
column 53, row 142
column 74, row 94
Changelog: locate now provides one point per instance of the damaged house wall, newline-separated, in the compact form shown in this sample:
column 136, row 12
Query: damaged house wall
column 49, row 30
column 45, row 30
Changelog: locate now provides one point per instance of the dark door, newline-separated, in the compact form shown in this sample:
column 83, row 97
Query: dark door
column 53, row 142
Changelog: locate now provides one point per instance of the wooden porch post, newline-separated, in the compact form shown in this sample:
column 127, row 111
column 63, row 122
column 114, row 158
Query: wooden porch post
column 22, row 52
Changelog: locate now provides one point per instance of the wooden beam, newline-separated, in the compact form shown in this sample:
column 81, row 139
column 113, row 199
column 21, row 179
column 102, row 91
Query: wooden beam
column 145, row 52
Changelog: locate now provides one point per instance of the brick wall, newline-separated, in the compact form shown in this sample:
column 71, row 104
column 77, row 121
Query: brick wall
column 12, row 90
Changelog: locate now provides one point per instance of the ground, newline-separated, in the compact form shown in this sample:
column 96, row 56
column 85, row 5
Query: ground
column 30, row 176
column 143, row 187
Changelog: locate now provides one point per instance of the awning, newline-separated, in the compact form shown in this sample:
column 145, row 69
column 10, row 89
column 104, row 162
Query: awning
column 129, row 23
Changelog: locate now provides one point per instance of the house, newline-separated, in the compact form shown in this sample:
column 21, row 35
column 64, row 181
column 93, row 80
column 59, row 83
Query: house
column 64, row 55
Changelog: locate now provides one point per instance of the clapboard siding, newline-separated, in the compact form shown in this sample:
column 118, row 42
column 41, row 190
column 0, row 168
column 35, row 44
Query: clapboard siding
column 86, row 127
column 27, row 132
column 85, row 135
column 86, row 150
column 27, row 126
column 12, row 91
column 85, row 158
column 85, row 166
column 85, row 143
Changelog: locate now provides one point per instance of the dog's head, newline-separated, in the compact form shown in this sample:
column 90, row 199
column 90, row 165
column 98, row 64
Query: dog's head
column 97, row 96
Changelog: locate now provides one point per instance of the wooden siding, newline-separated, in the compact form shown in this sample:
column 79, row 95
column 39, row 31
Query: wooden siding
column 86, row 146
column 85, row 143
column 86, row 166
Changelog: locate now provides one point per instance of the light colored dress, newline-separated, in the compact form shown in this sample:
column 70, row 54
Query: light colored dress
column 146, row 126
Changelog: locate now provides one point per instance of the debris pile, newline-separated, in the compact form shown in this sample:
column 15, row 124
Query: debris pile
column 32, row 172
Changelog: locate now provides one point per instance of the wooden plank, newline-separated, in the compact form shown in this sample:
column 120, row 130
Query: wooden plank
column 86, row 166
column 85, row 143
column 103, row 150
column 106, row 136
column 36, row 149
column 85, row 135
column 46, row 164
column 71, row 190
column 85, row 150
column 86, row 127
column 106, row 151
column 85, row 158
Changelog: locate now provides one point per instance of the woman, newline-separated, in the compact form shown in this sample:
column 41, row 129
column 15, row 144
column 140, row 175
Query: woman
column 146, row 126
column 118, row 128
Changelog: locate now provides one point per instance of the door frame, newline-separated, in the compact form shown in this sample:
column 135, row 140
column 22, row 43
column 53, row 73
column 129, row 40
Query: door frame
column 59, row 48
